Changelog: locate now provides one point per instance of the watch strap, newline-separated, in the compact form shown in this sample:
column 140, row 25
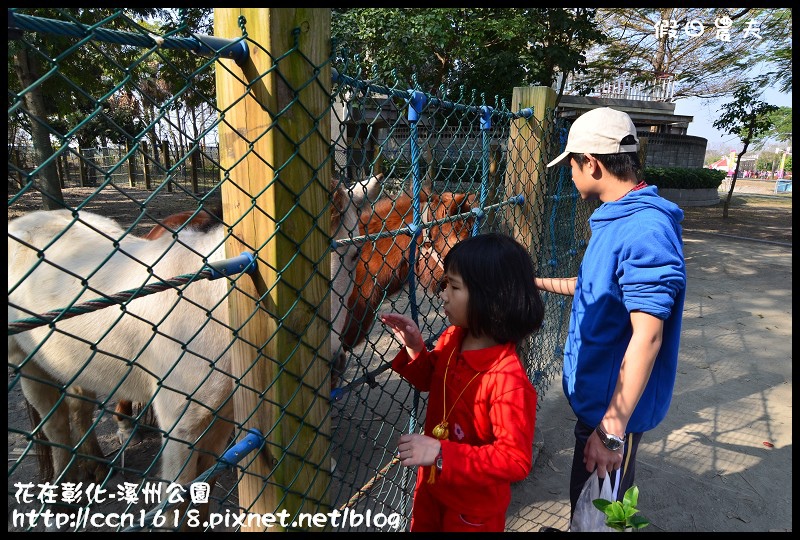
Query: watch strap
column 610, row 441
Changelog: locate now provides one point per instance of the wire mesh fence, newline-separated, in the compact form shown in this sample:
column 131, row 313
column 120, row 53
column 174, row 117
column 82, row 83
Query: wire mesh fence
column 91, row 166
column 133, row 128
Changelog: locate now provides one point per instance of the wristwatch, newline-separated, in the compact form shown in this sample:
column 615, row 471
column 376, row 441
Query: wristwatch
column 612, row 442
column 438, row 461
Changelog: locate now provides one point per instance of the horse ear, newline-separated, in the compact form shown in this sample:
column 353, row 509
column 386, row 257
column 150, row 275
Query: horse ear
column 451, row 204
column 463, row 202
column 472, row 199
column 366, row 190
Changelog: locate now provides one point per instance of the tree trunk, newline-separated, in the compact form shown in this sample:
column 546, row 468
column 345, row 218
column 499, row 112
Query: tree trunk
column 154, row 144
column 145, row 165
column 83, row 168
column 19, row 166
column 733, row 183
column 60, row 171
column 194, row 149
column 167, row 165
column 46, row 180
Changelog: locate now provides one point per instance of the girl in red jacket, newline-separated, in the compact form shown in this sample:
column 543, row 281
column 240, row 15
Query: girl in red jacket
column 481, row 413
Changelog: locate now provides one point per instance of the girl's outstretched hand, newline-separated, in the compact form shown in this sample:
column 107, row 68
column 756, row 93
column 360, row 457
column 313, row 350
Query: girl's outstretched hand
column 406, row 331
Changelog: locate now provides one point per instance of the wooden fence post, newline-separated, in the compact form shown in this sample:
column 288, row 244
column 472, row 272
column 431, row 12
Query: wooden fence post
column 525, row 167
column 131, row 164
column 274, row 148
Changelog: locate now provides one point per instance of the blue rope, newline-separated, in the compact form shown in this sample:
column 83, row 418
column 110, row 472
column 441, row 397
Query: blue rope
column 253, row 440
column 432, row 101
column 235, row 265
column 209, row 46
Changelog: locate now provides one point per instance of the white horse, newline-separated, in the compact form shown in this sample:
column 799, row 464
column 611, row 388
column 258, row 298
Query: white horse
column 166, row 348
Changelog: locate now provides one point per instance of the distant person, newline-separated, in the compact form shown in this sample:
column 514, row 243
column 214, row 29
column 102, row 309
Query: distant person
column 481, row 410
column 621, row 353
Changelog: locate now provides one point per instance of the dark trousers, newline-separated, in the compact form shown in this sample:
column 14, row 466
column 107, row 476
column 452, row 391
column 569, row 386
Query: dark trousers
column 580, row 475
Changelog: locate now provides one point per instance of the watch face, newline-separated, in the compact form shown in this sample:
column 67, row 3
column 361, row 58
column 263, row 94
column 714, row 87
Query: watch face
column 613, row 444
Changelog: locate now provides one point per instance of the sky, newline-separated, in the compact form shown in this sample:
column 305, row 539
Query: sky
column 705, row 112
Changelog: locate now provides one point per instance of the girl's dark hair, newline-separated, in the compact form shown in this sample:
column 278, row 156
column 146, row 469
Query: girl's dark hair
column 623, row 165
column 498, row 273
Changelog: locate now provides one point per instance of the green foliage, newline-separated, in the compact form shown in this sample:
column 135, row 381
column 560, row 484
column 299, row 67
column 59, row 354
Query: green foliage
column 489, row 50
column 703, row 65
column 683, row 178
column 127, row 83
column 782, row 118
column 775, row 48
column 621, row 515
column 780, row 132
column 746, row 116
column 770, row 161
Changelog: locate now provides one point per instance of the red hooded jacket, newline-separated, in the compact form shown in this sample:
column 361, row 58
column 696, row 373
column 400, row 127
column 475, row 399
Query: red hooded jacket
column 491, row 424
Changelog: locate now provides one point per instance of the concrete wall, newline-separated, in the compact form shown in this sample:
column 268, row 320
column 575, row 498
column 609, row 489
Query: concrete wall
column 672, row 150
column 691, row 197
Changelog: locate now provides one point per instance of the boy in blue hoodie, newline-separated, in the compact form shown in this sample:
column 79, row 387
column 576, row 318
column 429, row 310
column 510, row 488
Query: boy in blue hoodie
column 621, row 353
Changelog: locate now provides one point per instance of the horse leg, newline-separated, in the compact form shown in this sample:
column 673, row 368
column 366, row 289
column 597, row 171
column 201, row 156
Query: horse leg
column 83, row 435
column 188, row 425
column 184, row 423
column 44, row 397
column 210, row 448
column 123, row 413
column 69, row 428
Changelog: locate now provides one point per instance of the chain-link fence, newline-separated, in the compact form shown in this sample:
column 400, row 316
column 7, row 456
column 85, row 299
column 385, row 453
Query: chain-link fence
column 144, row 359
column 91, row 167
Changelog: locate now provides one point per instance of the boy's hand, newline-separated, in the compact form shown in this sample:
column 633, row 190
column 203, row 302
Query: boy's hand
column 405, row 331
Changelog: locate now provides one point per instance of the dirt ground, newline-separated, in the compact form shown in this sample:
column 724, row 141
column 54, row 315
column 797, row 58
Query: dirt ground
column 767, row 217
column 124, row 205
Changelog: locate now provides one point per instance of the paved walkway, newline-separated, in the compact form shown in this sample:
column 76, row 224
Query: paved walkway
column 722, row 459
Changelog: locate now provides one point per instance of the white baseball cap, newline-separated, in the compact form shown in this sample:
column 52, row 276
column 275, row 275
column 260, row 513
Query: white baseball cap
column 599, row 131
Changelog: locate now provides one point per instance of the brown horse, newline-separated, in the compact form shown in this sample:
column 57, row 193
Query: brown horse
column 384, row 264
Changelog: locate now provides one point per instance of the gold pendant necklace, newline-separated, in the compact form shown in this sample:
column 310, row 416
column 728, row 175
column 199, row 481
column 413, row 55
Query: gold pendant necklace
column 441, row 430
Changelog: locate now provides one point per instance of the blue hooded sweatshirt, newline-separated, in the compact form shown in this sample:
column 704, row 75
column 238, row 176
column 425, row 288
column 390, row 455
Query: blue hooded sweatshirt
column 634, row 262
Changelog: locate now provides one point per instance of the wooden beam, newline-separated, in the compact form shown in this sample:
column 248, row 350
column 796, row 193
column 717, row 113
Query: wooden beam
column 525, row 168
column 274, row 151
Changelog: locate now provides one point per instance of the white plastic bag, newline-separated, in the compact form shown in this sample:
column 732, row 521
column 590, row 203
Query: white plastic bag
column 587, row 517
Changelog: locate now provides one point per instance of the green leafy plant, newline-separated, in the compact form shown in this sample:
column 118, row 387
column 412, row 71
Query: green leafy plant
column 621, row 515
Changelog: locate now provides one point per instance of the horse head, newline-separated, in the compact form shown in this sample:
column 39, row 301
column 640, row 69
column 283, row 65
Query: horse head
column 348, row 202
column 383, row 267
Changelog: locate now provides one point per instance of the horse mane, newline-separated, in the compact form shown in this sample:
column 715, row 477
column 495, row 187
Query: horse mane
column 211, row 214
column 202, row 221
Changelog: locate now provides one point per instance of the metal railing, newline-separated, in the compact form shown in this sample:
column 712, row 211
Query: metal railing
column 621, row 84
